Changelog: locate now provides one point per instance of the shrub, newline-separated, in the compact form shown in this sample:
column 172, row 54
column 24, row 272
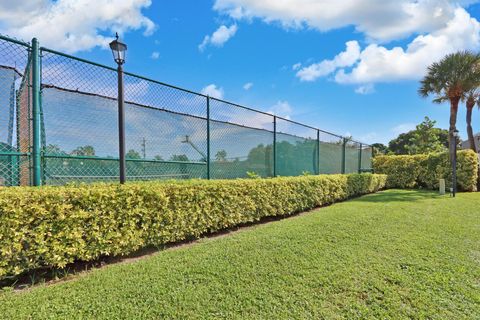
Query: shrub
column 424, row 171
column 54, row 226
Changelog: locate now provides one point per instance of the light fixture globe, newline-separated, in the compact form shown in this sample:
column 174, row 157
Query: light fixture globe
column 118, row 50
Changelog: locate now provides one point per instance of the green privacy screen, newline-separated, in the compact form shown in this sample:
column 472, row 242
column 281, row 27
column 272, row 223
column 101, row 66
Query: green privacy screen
column 170, row 133
column 240, row 141
column 15, row 129
column 296, row 149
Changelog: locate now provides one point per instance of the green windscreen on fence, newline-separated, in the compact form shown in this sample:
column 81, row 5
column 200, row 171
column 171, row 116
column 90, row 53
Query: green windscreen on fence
column 331, row 153
column 15, row 114
column 366, row 164
column 170, row 133
column 297, row 149
column 352, row 154
column 240, row 141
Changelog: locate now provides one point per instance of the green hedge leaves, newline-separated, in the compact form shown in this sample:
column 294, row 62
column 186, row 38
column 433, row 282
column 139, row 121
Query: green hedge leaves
column 54, row 226
column 424, row 171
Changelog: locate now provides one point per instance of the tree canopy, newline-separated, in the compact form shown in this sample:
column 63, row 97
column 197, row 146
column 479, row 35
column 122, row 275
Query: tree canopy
column 425, row 138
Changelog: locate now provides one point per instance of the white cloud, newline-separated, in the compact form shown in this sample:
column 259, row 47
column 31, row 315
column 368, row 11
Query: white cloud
column 344, row 59
column 296, row 66
column 377, row 63
column 281, row 109
column 365, row 89
column 248, row 86
column 379, row 20
column 213, row 91
column 380, row 64
column 155, row 55
column 219, row 37
column 403, row 128
column 73, row 25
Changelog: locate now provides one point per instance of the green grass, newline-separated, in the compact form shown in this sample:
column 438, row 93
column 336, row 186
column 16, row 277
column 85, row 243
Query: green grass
column 396, row 254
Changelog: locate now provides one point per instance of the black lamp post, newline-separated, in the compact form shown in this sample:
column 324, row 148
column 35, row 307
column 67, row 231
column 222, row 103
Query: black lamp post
column 119, row 49
column 454, row 163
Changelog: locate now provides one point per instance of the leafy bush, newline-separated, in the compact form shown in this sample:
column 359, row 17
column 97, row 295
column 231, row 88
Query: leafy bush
column 54, row 226
column 424, row 171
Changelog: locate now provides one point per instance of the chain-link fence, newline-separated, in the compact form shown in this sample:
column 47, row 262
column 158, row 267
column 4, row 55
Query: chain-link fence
column 170, row 133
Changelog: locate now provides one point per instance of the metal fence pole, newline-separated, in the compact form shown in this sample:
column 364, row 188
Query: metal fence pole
column 318, row 151
column 360, row 159
column 208, row 137
column 344, row 156
column 36, row 117
column 274, row 146
column 121, row 125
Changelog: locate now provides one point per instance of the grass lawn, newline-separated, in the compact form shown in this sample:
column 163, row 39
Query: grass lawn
column 395, row 254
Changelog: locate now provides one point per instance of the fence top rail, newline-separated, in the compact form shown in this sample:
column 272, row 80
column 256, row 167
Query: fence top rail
column 171, row 86
column 20, row 42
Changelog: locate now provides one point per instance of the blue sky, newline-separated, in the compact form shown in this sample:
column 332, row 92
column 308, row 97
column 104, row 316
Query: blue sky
column 275, row 57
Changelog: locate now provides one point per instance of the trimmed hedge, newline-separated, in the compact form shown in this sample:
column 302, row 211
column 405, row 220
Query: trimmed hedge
column 424, row 171
column 54, row 226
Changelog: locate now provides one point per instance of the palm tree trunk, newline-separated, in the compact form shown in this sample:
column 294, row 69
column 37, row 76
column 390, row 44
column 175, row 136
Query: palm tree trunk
column 453, row 121
column 471, row 138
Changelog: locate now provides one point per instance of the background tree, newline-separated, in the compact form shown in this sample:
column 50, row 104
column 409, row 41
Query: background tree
column 84, row 151
column 158, row 157
column 132, row 154
column 451, row 79
column 221, row 156
column 179, row 157
column 54, row 149
column 424, row 138
column 379, row 148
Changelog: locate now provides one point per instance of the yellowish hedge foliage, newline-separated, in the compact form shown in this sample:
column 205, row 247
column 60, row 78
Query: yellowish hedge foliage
column 54, row 226
column 425, row 170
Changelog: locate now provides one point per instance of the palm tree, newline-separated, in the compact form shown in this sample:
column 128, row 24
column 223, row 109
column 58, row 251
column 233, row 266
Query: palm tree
column 451, row 79
column 471, row 101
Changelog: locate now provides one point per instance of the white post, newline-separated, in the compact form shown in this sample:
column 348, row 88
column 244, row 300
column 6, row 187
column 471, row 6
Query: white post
column 442, row 186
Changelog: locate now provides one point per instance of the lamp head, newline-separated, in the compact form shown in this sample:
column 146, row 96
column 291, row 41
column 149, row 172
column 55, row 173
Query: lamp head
column 119, row 50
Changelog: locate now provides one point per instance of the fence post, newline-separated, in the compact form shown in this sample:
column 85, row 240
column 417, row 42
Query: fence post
column 344, row 151
column 36, row 123
column 360, row 158
column 318, row 151
column 372, row 155
column 208, row 137
column 274, row 146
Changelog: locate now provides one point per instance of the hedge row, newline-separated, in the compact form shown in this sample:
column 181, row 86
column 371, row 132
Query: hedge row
column 424, row 171
column 54, row 226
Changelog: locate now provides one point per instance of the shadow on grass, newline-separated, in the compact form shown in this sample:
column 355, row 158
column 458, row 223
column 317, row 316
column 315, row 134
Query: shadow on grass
column 400, row 196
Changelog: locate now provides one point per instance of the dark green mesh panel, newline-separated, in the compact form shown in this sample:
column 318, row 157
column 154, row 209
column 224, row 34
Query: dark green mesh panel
column 166, row 129
column 241, row 141
column 297, row 149
column 14, row 114
column 366, row 158
column 331, row 150
column 60, row 170
column 352, row 153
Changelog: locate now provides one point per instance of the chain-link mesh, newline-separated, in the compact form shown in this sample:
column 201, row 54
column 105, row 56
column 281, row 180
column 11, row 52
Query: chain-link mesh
column 366, row 164
column 170, row 133
column 241, row 141
column 165, row 133
column 297, row 149
column 331, row 153
column 352, row 154
column 15, row 113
